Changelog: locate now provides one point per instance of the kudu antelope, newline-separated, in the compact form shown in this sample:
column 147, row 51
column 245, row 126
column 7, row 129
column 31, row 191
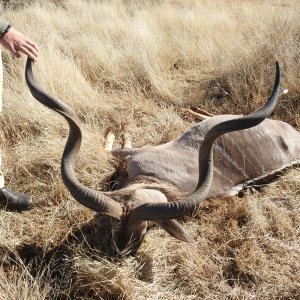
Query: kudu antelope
column 169, row 181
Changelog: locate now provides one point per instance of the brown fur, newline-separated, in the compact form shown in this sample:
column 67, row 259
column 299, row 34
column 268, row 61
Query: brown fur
column 241, row 158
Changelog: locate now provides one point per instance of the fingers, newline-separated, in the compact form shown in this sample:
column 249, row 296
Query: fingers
column 32, row 44
column 29, row 50
column 27, row 47
column 17, row 43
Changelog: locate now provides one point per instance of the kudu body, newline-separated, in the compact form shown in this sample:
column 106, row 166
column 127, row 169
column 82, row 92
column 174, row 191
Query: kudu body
column 240, row 158
column 169, row 181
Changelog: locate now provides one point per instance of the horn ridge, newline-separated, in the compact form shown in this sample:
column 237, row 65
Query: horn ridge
column 92, row 199
column 175, row 209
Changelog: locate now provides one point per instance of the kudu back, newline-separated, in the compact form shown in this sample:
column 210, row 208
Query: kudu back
column 215, row 158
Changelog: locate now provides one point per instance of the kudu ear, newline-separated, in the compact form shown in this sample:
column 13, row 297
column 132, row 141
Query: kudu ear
column 175, row 230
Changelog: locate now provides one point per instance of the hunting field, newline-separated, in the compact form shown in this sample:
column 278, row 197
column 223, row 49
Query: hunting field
column 141, row 63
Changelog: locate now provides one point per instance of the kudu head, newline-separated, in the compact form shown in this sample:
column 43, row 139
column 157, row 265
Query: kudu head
column 143, row 205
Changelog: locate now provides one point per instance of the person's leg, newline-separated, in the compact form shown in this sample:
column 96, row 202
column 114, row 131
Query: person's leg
column 8, row 198
column 1, row 84
column 1, row 174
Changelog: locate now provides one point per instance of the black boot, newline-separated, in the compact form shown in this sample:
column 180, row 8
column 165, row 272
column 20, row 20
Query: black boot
column 14, row 201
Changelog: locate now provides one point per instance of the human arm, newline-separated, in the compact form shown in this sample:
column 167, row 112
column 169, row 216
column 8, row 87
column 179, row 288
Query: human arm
column 16, row 42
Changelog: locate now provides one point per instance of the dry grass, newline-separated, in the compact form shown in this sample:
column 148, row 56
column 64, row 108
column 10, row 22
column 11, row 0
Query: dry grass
column 140, row 62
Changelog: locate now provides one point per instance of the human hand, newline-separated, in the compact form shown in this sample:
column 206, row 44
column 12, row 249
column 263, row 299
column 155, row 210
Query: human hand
column 17, row 43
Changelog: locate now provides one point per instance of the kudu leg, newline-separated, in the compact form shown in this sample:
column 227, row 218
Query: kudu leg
column 202, row 111
column 110, row 138
column 198, row 113
column 126, row 138
column 109, row 141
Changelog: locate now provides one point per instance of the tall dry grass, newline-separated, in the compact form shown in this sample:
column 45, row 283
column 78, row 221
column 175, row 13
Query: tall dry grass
column 141, row 62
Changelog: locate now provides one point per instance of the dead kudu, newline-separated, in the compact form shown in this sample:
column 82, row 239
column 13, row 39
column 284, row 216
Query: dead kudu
column 169, row 181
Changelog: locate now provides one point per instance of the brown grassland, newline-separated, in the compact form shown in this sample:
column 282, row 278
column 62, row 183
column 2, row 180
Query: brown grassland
column 141, row 62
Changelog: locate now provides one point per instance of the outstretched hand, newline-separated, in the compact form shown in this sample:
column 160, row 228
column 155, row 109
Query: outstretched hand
column 17, row 43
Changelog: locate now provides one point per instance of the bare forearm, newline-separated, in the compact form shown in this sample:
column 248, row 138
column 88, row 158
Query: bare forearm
column 15, row 42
